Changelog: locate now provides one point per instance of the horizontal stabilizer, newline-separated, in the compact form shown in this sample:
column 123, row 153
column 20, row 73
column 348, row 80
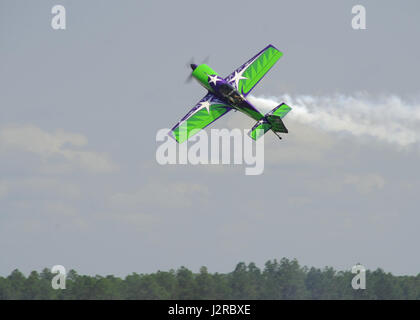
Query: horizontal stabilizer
column 281, row 110
column 259, row 129
column 272, row 120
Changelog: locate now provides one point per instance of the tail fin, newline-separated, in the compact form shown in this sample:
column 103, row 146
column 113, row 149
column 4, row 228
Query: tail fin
column 272, row 120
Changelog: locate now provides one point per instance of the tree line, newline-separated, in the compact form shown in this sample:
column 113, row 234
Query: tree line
column 284, row 279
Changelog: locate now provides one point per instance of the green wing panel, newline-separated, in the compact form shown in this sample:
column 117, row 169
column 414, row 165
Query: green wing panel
column 208, row 110
column 246, row 77
column 260, row 128
column 281, row 110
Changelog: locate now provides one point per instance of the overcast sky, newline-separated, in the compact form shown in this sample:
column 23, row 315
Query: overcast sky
column 80, row 109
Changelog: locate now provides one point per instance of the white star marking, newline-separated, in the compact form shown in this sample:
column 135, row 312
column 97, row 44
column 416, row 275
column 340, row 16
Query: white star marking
column 238, row 76
column 205, row 104
column 213, row 79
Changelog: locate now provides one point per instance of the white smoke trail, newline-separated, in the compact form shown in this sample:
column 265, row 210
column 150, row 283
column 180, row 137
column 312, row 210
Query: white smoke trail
column 387, row 119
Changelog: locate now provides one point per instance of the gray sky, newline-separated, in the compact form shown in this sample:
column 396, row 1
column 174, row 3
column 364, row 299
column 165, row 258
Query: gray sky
column 80, row 109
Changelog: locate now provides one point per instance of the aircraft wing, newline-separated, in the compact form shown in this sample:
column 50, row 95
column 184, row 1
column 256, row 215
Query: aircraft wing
column 206, row 111
column 246, row 77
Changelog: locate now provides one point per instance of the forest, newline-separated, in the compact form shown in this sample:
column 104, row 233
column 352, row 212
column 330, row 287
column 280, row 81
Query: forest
column 283, row 279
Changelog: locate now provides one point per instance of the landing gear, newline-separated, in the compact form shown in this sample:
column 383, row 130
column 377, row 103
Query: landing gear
column 277, row 135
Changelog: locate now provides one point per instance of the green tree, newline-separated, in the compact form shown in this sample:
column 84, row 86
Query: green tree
column 5, row 290
column 17, row 285
column 322, row 285
column 221, row 287
column 185, row 284
column 204, row 285
column 284, row 279
column 167, row 282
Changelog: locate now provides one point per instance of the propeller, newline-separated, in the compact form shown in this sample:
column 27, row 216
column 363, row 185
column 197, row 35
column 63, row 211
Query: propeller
column 206, row 60
column 189, row 78
column 191, row 64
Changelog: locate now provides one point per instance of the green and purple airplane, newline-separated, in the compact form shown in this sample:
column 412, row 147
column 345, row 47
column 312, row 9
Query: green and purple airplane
column 225, row 94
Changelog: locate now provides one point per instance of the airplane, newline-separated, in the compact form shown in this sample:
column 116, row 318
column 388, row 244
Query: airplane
column 226, row 94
